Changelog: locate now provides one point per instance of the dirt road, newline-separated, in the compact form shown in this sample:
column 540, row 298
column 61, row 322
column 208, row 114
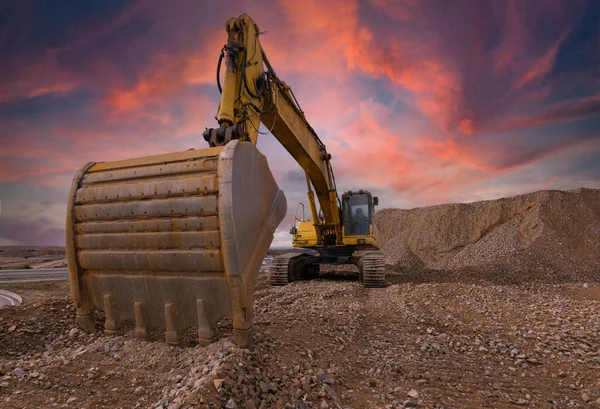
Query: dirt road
column 9, row 299
column 41, row 274
column 326, row 344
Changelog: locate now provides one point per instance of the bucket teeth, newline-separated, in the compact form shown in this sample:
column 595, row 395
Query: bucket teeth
column 86, row 322
column 112, row 324
column 142, row 331
column 172, row 241
column 207, row 329
column 173, row 334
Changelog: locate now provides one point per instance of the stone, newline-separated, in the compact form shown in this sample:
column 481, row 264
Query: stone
column 18, row 372
column 73, row 332
column 324, row 405
column 72, row 399
column 230, row 404
column 329, row 379
column 217, row 383
column 413, row 394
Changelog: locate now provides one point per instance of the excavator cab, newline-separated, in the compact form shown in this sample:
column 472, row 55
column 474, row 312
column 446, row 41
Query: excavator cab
column 357, row 218
column 358, row 209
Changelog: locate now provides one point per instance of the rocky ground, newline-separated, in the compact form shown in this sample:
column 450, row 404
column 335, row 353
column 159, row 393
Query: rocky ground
column 323, row 344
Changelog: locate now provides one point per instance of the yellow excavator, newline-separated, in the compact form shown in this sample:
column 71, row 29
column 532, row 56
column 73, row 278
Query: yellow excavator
column 177, row 240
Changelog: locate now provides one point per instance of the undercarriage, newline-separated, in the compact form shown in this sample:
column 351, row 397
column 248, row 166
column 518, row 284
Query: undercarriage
column 292, row 267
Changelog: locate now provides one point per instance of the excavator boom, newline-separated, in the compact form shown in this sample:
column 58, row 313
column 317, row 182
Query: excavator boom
column 250, row 94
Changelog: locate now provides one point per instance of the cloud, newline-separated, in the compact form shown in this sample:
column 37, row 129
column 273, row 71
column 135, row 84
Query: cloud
column 34, row 233
column 543, row 66
column 43, row 77
column 420, row 101
column 564, row 111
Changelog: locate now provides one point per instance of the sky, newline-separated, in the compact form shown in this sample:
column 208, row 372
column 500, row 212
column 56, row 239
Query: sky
column 421, row 102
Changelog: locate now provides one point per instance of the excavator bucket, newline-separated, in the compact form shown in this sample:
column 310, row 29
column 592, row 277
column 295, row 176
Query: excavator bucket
column 172, row 241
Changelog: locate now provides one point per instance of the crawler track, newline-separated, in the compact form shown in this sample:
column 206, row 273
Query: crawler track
column 279, row 268
column 373, row 270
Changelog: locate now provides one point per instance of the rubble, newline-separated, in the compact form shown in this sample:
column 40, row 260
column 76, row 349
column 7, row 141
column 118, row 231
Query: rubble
column 327, row 343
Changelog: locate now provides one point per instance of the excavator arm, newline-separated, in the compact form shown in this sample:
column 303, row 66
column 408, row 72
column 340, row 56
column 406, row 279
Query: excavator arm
column 251, row 94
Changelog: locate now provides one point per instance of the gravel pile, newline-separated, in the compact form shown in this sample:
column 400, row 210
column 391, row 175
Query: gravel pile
column 548, row 236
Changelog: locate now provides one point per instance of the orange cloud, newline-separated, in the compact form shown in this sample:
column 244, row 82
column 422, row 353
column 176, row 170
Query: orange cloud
column 466, row 125
column 166, row 75
column 325, row 51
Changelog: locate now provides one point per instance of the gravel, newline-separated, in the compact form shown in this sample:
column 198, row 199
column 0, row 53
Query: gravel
column 549, row 235
column 328, row 343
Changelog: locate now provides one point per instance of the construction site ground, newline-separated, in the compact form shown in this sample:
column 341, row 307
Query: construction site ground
column 323, row 344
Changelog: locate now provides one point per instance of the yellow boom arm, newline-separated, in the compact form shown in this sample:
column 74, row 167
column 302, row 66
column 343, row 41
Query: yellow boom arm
column 250, row 94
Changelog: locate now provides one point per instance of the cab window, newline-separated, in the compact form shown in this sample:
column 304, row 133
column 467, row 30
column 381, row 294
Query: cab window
column 357, row 214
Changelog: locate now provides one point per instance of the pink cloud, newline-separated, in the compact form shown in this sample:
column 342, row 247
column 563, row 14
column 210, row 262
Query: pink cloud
column 564, row 111
column 542, row 66
column 43, row 77
column 447, row 92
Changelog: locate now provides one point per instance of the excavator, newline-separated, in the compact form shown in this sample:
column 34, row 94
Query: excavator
column 355, row 245
column 176, row 240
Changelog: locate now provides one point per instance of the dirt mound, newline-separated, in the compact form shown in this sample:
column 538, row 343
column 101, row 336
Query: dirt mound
column 547, row 235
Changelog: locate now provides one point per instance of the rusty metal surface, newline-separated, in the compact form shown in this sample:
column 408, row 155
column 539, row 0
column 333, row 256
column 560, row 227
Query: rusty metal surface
column 172, row 241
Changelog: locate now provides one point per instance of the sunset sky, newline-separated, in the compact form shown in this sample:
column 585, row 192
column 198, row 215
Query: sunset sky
column 422, row 102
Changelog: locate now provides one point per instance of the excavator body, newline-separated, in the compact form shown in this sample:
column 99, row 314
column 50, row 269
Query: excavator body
column 358, row 244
